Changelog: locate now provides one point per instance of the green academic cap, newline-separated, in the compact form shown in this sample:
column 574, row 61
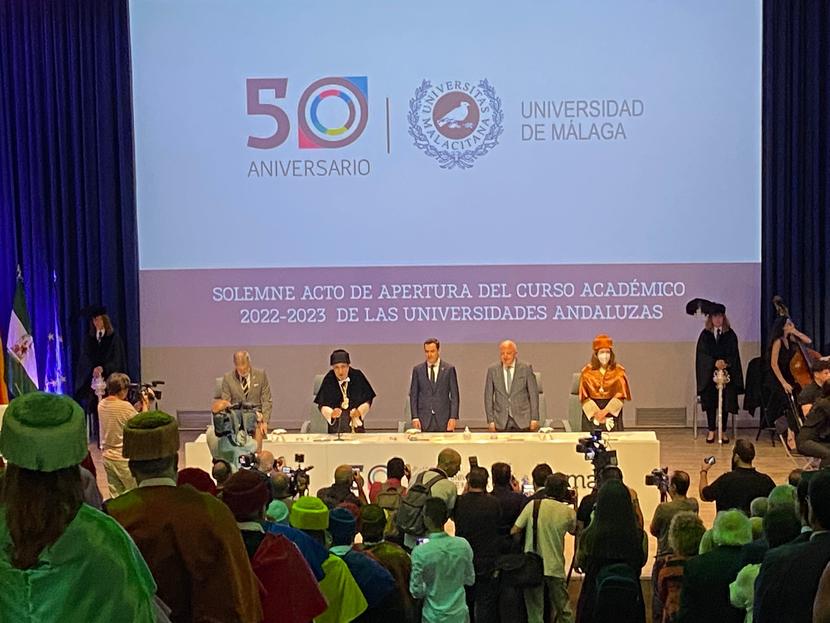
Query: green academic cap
column 43, row 432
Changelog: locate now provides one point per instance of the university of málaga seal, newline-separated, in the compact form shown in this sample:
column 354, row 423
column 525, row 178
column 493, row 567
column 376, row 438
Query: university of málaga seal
column 455, row 122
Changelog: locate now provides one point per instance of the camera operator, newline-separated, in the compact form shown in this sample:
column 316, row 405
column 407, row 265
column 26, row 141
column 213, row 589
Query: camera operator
column 556, row 517
column 114, row 411
column 678, row 486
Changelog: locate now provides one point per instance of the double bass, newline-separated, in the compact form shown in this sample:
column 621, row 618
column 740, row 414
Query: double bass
column 801, row 364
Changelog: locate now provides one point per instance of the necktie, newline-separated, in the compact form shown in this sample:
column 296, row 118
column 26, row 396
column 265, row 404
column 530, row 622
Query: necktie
column 509, row 378
column 100, row 334
column 717, row 335
column 245, row 386
column 432, row 373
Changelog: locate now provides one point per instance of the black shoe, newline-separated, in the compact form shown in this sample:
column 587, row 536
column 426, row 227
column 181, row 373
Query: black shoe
column 725, row 440
column 710, row 440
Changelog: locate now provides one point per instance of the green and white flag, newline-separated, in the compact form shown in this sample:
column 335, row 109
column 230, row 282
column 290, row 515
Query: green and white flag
column 22, row 369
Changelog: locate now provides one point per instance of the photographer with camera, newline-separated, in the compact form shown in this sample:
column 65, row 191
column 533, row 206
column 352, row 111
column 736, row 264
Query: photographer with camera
column 114, row 411
column 736, row 489
column 544, row 523
column 345, row 476
column 676, row 487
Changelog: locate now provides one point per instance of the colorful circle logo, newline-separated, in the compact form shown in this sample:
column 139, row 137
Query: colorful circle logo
column 333, row 112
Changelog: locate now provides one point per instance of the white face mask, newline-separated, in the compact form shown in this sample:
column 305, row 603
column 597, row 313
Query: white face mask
column 604, row 358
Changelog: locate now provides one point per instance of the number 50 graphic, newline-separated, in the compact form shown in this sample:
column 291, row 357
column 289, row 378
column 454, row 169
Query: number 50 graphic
column 345, row 98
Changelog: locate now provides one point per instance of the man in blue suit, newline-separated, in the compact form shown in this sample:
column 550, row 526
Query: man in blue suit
column 433, row 392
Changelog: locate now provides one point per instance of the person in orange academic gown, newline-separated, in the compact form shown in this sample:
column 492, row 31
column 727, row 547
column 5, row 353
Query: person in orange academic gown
column 291, row 591
column 189, row 539
column 603, row 387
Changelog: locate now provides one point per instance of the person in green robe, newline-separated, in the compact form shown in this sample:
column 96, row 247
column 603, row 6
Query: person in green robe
column 61, row 560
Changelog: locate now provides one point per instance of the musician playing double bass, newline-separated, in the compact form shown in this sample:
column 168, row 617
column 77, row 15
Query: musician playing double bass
column 786, row 343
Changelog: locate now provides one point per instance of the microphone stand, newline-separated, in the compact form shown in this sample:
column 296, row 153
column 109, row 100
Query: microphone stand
column 340, row 427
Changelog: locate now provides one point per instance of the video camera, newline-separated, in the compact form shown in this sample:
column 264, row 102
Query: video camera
column 299, row 480
column 138, row 392
column 236, row 422
column 596, row 450
column 659, row 477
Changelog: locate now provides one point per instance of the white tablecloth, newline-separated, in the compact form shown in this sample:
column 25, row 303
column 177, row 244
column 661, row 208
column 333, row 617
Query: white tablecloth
column 638, row 452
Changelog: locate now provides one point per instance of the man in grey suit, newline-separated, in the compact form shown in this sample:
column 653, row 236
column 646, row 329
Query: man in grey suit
column 433, row 392
column 246, row 384
column 511, row 397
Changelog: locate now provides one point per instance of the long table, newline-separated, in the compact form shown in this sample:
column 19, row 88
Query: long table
column 638, row 452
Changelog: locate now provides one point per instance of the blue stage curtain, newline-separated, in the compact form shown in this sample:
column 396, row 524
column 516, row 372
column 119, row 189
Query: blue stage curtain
column 67, row 190
column 796, row 164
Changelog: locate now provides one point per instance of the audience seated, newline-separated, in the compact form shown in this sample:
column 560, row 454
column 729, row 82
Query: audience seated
column 789, row 576
column 685, row 532
column 53, row 547
column 821, row 605
column 197, row 478
column 343, row 595
column 758, row 507
column 706, row 578
column 174, row 527
column 277, row 512
column 256, row 554
column 780, row 525
column 276, row 561
column 220, row 472
column 372, row 524
column 375, row 582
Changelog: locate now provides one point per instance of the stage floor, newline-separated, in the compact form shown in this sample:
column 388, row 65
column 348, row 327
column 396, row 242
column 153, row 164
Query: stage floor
column 678, row 450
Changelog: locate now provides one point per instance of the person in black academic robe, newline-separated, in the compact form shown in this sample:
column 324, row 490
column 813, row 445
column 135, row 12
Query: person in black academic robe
column 101, row 348
column 717, row 347
column 345, row 395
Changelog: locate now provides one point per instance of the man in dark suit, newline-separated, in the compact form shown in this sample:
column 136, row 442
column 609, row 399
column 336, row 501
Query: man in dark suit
column 706, row 578
column 246, row 384
column 790, row 574
column 433, row 392
column 511, row 396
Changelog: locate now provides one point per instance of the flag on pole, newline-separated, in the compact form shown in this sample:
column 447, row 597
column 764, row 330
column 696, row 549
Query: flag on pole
column 54, row 379
column 21, row 347
column 4, row 393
